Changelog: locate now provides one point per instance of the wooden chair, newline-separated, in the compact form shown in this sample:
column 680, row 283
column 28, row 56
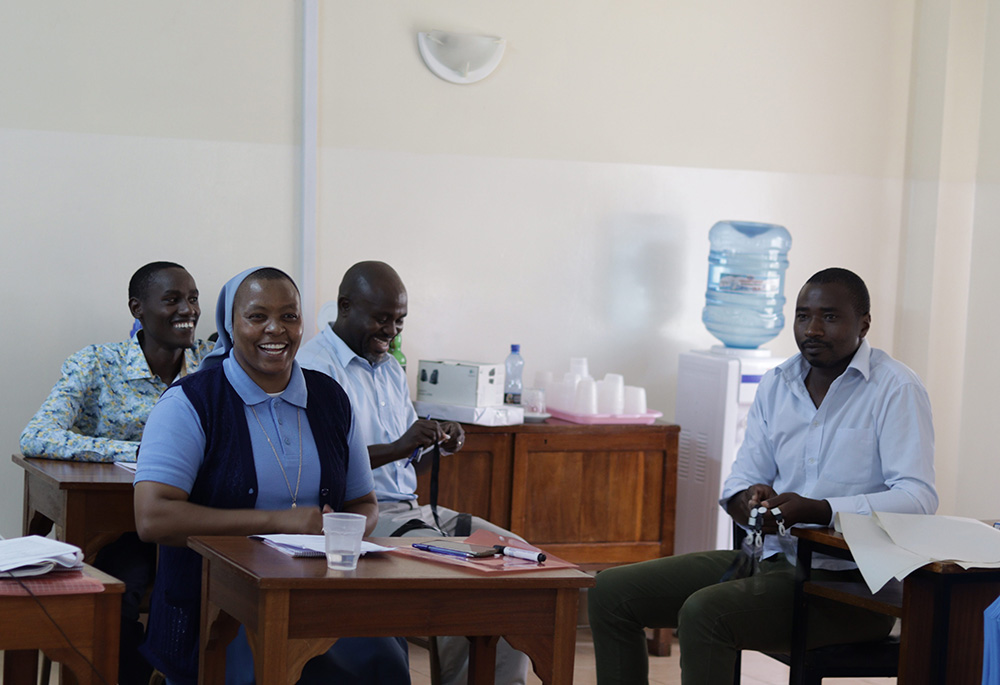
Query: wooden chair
column 854, row 660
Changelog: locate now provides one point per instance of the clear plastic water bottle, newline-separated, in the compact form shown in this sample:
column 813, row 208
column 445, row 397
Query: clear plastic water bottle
column 512, row 376
column 746, row 282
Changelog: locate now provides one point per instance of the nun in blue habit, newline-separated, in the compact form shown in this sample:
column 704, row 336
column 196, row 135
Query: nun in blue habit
column 250, row 444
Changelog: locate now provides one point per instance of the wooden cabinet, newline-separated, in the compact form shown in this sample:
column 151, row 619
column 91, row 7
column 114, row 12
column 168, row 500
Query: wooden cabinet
column 598, row 495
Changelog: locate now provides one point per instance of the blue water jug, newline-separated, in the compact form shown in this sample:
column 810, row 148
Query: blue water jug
column 746, row 282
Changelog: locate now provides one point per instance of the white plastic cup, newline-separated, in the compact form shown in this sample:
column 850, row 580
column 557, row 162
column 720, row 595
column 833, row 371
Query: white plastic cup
column 611, row 394
column 572, row 379
column 343, row 534
column 533, row 400
column 562, row 396
column 586, row 397
column 635, row 400
column 578, row 365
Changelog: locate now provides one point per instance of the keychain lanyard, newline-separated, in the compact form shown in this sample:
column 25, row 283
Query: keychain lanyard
column 756, row 524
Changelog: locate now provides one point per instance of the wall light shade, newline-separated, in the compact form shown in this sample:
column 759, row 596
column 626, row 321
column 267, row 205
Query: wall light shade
column 460, row 57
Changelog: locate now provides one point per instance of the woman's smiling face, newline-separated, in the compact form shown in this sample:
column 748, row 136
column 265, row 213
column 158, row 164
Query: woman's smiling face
column 267, row 330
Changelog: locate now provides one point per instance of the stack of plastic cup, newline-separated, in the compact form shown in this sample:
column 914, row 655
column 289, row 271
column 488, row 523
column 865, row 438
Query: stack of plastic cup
column 586, row 397
column 578, row 393
column 611, row 394
column 578, row 365
column 635, row 400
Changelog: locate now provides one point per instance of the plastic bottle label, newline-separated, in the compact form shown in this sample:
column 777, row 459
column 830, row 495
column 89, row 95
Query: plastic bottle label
column 738, row 283
column 512, row 398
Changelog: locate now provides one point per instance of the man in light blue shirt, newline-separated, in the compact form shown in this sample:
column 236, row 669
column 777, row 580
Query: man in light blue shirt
column 838, row 427
column 354, row 350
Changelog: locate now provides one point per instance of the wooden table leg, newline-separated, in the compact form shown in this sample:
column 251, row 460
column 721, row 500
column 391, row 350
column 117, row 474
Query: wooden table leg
column 212, row 658
column 659, row 643
column 482, row 658
column 268, row 644
column 553, row 657
column 564, row 645
column 279, row 660
column 20, row 667
column 942, row 638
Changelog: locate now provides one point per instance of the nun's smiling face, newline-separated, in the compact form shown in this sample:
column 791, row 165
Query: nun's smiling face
column 267, row 330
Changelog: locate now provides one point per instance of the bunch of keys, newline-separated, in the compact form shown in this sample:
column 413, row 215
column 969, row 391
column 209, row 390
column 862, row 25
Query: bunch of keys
column 756, row 525
column 748, row 562
column 780, row 520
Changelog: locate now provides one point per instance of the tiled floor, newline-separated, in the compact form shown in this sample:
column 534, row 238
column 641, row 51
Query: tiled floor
column 757, row 668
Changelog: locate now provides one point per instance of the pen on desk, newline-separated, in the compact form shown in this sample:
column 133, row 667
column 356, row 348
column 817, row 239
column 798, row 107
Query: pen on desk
column 537, row 557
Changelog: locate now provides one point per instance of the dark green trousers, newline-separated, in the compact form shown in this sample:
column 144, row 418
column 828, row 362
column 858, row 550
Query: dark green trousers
column 714, row 620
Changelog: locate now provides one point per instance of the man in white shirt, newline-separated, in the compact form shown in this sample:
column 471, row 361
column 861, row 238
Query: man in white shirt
column 838, row 427
column 354, row 351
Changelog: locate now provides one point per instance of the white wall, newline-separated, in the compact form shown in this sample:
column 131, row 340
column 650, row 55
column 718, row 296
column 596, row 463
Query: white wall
column 979, row 473
column 563, row 203
column 132, row 132
column 603, row 260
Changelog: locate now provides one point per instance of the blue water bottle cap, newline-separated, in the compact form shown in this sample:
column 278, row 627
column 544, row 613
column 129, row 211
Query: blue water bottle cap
column 515, row 348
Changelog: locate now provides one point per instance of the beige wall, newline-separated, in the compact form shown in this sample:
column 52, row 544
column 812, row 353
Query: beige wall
column 977, row 468
column 131, row 132
column 775, row 85
column 563, row 202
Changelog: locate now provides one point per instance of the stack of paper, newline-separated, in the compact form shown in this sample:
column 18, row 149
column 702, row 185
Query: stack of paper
column 34, row 555
column 887, row 545
column 308, row 545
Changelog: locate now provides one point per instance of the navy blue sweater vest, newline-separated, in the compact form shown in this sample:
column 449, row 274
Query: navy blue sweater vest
column 228, row 480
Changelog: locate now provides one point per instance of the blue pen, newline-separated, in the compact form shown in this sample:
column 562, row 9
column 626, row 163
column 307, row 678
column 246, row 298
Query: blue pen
column 416, row 453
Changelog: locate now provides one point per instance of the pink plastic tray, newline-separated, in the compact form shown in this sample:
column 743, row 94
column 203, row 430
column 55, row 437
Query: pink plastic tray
column 649, row 417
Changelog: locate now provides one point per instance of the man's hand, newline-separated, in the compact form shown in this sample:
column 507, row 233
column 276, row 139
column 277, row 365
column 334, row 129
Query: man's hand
column 423, row 433
column 739, row 505
column 796, row 509
column 456, row 436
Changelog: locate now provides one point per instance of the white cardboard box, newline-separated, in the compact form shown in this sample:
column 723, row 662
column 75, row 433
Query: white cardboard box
column 467, row 384
column 504, row 415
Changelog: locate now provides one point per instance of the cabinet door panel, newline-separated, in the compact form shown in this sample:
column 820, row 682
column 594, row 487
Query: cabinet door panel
column 595, row 496
column 475, row 480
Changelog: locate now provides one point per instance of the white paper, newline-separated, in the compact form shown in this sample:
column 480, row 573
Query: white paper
column 128, row 465
column 887, row 545
column 309, row 545
column 34, row 555
column 943, row 538
column 878, row 559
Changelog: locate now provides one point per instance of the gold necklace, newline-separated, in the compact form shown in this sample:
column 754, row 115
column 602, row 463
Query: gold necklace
column 298, row 480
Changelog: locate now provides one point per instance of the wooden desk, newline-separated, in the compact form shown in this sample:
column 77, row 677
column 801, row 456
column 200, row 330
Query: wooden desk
column 90, row 621
column 596, row 495
column 91, row 503
column 940, row 606
column 295, row 609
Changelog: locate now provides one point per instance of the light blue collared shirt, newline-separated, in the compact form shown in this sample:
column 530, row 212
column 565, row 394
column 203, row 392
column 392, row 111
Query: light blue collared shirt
column 380, row 400
column 868, row 447
column 173, row 444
